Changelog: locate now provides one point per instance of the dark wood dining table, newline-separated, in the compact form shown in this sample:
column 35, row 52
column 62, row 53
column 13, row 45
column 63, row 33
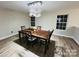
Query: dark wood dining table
column 41, row 34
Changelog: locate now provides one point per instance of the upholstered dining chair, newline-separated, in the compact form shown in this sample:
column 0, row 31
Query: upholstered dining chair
column 23, row 28
column 23, row 34
column 30, row 39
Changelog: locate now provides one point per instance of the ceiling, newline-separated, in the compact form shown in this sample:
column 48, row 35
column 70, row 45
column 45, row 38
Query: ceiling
column 46, row 6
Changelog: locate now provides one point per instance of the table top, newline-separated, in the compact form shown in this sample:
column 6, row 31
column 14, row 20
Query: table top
column 38, row 33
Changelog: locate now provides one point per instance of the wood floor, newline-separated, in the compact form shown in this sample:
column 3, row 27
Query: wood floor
column 67, row 45
column 10, row 49
column 62, row 44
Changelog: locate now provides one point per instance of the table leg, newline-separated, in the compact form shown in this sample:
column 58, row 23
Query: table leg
column 45, row 47
column 19, row 36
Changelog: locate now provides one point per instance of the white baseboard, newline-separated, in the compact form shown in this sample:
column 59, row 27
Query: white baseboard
column 7, row 36
column 69, row 37
column 76, row 40
column 63, row 35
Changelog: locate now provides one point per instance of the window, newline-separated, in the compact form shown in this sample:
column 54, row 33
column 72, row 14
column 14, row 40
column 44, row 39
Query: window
column 32, row 21
column 61, row 22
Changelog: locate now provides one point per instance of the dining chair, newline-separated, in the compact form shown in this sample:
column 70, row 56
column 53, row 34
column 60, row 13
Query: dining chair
column 30, row 39
column 38, row 27
column 23, row 27
column 23, row 34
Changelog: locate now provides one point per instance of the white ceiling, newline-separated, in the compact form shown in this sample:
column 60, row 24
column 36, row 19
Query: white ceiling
column 47, row 5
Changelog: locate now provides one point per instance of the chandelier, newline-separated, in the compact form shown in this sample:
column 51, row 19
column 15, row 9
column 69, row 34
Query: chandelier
column 35, row 8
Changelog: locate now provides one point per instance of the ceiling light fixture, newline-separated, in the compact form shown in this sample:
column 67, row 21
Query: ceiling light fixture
column 35, row 8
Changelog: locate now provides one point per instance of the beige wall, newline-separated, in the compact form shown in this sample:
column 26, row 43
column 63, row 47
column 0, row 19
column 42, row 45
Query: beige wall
column 48, row 21
column 11, row 21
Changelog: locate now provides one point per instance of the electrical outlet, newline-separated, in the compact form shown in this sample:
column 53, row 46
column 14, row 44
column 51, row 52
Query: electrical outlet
column 11, row 31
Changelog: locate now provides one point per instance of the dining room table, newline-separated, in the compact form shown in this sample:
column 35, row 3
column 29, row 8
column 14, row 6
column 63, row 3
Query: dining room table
column 40, row 34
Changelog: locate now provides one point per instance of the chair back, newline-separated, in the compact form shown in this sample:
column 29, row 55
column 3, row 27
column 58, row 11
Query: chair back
column 23, row 27
column 28, row 33
column 50, row 33
column 38, row 27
